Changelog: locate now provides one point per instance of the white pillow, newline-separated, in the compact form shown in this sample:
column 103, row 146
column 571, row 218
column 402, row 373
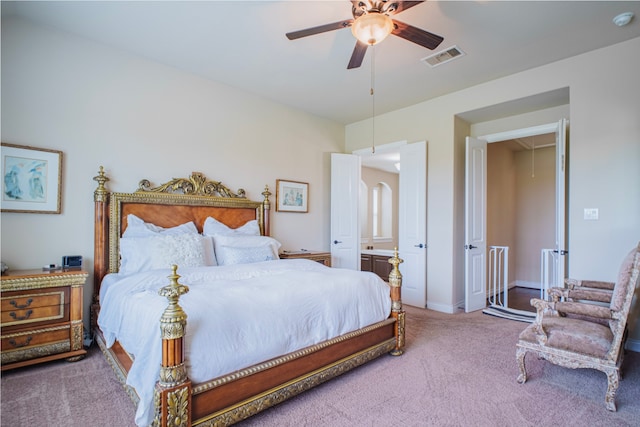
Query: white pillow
column 244, row 249
column 161, row 251
column 231, row 255
column 136, row 227
column 213, row 227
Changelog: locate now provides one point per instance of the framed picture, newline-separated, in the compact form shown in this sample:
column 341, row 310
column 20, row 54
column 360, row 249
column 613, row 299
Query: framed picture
column 292, row 196
column 31, row 179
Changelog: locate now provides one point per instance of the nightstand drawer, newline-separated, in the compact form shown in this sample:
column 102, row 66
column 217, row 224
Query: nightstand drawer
column 39, row 305
column 35, row 343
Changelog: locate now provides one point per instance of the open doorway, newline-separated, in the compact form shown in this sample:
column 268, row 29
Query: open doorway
column 521, row 209
column 514, row 220
column 379, row 199
column 411, row 213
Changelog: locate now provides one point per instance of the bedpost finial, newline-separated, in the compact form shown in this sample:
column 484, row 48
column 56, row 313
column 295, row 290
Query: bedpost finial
column 174, row 319
column 395, row 277
column 174, row 289
column 100, row 194
column 173, row 324
column 266, row 193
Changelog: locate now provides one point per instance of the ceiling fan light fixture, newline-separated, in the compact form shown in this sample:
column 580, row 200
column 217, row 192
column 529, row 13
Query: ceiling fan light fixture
column 372, row 28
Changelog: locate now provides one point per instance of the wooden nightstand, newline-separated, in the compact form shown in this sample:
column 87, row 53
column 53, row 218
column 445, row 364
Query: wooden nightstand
column 321, row 257
column 41, row 316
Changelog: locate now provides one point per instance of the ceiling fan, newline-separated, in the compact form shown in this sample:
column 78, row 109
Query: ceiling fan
column 371, row 23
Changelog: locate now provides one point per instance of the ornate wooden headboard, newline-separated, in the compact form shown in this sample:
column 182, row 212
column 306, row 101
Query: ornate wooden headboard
column 173, row 203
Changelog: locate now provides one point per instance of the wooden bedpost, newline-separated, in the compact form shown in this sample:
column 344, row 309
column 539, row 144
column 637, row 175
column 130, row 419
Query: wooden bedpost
column 172, row 396
column 100, row 245
column 395, row 281
column 266, row 207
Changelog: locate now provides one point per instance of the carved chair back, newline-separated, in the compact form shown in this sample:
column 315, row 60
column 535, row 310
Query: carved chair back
column 622, row 298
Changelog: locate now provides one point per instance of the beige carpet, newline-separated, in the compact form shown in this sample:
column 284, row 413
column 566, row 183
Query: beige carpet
column 458, row 370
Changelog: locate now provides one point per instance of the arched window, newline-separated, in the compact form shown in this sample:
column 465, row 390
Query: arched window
column 364, row 212
column 382, row 211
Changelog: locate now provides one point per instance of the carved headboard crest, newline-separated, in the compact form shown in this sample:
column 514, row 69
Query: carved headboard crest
column 197, row 184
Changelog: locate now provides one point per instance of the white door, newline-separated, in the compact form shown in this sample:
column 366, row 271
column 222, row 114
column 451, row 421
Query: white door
column 561, row 242
column 345, row 232
column 412, row 224
column 475, row 247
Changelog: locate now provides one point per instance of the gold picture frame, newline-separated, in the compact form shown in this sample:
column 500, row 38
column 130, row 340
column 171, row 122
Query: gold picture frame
column 31, row 179
column 292, row 196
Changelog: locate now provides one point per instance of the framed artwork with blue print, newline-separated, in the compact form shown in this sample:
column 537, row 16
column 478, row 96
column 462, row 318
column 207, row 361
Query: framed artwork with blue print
column 292, row 196
column 31, row 179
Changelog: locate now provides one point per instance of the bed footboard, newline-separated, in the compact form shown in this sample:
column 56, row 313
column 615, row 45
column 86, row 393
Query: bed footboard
column 174, row 393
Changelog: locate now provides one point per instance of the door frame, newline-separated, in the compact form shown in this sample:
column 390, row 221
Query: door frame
column 555, row 128
column 412, row 240
column 521, row 133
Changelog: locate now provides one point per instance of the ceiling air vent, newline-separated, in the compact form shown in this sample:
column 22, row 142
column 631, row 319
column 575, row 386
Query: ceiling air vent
column 443, row 56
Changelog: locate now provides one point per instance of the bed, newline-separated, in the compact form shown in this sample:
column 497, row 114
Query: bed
column 194, row 386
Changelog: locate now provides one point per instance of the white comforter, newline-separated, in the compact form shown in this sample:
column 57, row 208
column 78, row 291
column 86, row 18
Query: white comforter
column 238, row 315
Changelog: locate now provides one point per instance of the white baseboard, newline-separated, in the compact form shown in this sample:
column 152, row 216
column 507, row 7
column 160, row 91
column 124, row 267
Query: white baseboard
column 443, row 308
column 526, row 284
column 511, row 285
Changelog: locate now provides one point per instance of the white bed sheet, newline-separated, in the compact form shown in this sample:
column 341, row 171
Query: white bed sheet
column 238, row 315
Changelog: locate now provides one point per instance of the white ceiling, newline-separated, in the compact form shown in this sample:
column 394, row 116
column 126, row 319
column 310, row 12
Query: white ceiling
column 243, row 44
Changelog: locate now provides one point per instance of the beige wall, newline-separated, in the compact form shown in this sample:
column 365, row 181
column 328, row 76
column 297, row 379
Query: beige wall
column 535, row 211
column 501, row 202
column 521, row 207
column 605, row 136
column 371, row 177
column 140, row 119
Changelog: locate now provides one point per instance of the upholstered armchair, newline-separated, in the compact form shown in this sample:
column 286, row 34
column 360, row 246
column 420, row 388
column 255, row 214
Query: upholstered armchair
column 584, row 325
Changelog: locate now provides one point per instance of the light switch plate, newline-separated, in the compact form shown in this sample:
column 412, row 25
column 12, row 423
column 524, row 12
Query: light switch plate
column 590, row 214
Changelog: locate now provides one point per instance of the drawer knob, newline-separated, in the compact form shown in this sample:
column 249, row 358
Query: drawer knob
column 20, row 307
column 18, row 345
column 25, row 317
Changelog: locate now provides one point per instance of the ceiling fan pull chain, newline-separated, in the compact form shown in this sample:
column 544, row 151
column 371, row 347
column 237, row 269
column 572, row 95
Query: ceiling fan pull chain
column 373, row 99
column 533, row 157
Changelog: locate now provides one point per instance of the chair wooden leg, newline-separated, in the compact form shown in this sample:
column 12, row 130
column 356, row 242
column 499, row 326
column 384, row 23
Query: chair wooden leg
column 520, row 353
column 613, row 381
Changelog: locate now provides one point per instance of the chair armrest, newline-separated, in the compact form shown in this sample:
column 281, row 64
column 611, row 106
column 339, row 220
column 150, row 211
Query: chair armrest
column 591, row 295
column 584, row 309
column 542, row 307
column 588, row 290
column 556, row 293
column 580, row 293
column 593, row 284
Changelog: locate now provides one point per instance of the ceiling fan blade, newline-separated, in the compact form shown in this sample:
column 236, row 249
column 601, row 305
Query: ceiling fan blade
column 404, row 5
column 319, row 29
column 358, row 55
column 416, row 35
